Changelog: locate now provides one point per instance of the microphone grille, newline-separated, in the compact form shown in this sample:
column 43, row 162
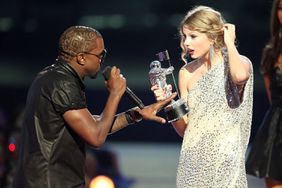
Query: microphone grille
column 106, row 72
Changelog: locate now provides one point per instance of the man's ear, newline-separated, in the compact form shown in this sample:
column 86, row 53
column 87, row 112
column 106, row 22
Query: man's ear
column 80, row 59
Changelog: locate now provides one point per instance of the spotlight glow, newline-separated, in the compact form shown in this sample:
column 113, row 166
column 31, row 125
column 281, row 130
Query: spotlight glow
column 102, row 182
column 12, row 147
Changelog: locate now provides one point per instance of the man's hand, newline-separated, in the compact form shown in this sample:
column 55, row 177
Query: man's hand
column 149, row 112
column 116, row 83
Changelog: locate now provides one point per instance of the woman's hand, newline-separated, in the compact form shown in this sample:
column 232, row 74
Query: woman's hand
column 160, row 93
column 229, row 33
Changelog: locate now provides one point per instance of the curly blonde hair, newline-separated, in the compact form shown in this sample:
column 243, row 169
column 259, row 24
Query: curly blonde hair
column 205, row 20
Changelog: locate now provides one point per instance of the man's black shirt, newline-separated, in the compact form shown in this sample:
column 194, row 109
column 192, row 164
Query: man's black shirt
column 51, row 155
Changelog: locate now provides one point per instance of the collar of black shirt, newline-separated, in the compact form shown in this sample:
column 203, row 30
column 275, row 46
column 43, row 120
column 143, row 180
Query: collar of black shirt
column 63, row 63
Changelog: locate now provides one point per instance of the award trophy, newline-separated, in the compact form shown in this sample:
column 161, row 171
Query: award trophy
column 157, row 75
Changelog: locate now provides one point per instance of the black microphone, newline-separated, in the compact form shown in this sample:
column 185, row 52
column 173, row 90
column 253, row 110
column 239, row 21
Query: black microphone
column 106, row 73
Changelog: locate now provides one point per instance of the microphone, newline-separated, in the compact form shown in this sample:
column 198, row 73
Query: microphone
column 106, row 73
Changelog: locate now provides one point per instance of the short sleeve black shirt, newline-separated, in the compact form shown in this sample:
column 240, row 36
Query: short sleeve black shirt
column 52, row 155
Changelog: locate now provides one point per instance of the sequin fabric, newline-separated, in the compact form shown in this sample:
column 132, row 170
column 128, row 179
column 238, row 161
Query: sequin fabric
column 216, row 139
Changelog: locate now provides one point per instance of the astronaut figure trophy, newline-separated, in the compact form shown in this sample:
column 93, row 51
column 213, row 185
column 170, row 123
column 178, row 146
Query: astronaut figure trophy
column 157, row 76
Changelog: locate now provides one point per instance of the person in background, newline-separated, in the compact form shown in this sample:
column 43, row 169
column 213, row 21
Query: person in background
column 105, row 162
column 218, row 87
column 4, row 147
column 57, row 122
column 265, row 156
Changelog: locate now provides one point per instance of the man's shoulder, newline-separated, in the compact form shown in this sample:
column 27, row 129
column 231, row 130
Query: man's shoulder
column 53, row 77
column 55, row 71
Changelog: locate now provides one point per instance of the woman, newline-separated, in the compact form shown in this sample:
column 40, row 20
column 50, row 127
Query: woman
column 217, row 86
column 265, row 158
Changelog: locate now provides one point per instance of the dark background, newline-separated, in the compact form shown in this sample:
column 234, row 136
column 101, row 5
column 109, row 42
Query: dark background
column 133, row 31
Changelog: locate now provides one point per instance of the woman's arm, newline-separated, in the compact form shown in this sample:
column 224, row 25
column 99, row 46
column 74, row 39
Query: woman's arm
column 266, row 78
column 181, row 124
column 240, row 68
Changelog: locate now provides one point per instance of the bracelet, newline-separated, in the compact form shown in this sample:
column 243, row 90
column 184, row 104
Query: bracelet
column 136, row 116
column 132, row 116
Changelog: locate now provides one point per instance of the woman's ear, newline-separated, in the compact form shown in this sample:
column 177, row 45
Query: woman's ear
column 212, row 41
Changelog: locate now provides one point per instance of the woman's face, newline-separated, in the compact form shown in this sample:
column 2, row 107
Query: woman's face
column 196, row 43
column 279, row 12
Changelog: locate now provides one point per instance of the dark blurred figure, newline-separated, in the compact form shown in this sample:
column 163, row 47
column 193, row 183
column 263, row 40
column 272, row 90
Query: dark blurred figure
column 3, row 148
column 265, row 157
column 12, row 144
column 105, row 162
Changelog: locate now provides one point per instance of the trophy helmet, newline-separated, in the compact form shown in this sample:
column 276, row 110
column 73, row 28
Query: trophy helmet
column 155, row 64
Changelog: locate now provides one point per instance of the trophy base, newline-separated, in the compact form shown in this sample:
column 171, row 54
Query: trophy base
column 176, row 110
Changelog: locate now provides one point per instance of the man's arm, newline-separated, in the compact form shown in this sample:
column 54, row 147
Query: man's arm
column 136, row 114
column 95, row 131
column 122, row 120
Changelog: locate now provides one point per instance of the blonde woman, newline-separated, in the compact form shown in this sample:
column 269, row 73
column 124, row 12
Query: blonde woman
column 218, row 87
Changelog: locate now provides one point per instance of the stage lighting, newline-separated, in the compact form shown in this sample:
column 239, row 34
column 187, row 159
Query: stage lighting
column 102, row 182
column 12, row 147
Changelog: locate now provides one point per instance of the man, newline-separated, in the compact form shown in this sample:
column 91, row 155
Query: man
column 57, row 122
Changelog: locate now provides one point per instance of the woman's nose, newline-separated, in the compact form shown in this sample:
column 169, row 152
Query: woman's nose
column 187, row 41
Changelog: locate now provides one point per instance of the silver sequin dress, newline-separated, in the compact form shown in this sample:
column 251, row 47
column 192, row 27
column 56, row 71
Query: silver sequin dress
column 216, row 139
